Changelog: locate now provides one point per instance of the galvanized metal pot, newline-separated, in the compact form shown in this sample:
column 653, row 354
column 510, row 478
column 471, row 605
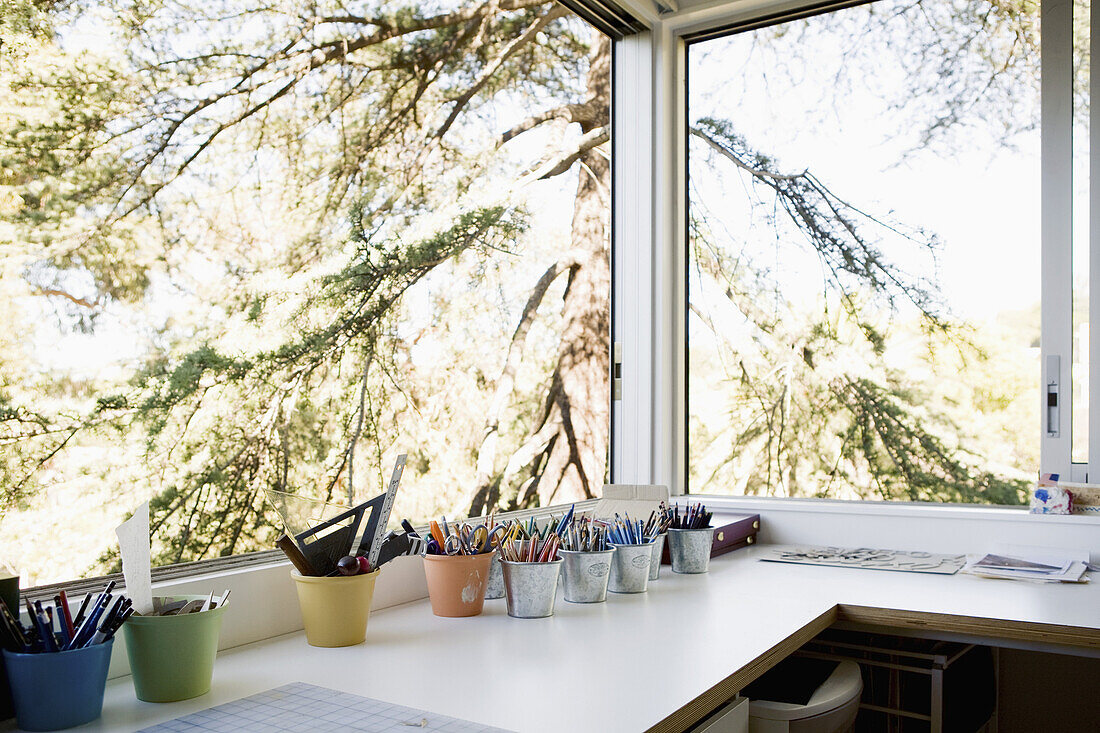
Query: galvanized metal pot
column 531, row 587
column 658, row 550
column 495, row 587
column 630, row 568
column 586, row 575
column 690, row 549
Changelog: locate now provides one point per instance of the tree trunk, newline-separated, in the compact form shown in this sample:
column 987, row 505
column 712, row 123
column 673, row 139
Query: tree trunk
column 573, row 464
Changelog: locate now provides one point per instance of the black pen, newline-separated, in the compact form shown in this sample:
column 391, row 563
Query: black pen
column 407, row 526
column 81, row 610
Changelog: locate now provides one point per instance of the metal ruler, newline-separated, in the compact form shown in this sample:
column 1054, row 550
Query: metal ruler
column 384, row 512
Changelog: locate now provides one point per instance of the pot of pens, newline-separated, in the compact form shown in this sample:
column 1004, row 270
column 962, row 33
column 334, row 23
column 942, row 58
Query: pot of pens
column 529, row 556
column 172, row 647
column 336, row 607
column 587, row 557
column 57, row 667
column 690, row 538
column 633, row 555
column 456, row 566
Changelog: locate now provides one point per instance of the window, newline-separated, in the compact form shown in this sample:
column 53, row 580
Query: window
column 253, row 247
column 864, row 250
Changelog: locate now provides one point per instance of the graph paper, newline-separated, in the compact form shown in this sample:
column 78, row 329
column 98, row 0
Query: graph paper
column 302, row 707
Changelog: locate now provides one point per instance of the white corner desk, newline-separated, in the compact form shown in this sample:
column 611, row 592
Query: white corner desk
column 656, row 661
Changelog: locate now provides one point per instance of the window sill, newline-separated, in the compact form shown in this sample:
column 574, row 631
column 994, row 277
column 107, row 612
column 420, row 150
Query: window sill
column 902, row 509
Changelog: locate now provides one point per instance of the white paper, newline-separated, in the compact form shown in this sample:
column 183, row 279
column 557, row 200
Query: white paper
column 133, row 545
column 637, row 500
column 1070, row 564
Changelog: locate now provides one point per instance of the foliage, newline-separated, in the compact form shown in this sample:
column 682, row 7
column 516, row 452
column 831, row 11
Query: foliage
column 315, row 232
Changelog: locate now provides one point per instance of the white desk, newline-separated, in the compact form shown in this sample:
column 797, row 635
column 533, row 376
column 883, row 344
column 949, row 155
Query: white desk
column 663, row 658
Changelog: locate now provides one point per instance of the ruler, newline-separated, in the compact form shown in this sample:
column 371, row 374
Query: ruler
column 383, row 513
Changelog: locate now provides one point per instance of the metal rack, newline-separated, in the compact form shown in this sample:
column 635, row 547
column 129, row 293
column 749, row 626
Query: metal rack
column 896, row 672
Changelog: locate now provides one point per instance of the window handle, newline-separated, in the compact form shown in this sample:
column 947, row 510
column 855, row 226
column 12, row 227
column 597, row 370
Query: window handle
column 1052, row 389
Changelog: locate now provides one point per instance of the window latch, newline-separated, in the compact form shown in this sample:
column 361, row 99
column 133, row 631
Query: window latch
column 617, row 371
column 1052, row 387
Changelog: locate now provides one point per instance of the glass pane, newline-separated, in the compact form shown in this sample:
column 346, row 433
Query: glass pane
column 1080, row 377
column 864, row 255
column 271, row 246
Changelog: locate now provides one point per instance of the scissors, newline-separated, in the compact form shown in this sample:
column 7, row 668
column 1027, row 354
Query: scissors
column 454, row 545
column 473, row 540
column 498, row 533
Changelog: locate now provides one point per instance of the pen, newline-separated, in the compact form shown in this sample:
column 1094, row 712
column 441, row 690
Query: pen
column 63, row 600
column 80, row 611
column 89, row 625
column 45, row 619
column 62, row 627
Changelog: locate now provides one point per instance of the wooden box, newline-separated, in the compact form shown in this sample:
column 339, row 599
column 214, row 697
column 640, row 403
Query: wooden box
column 731, row 531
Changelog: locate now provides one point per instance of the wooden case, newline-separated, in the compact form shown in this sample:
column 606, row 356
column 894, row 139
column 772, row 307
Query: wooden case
column 733, row 532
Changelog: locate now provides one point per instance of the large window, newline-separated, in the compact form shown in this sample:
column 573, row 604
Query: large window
column 254, row 247
column 865, row 254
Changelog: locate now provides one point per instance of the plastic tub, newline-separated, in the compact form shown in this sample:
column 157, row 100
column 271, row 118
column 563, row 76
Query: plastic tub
column 172, row 657
column 335, row 610
column 56, row 690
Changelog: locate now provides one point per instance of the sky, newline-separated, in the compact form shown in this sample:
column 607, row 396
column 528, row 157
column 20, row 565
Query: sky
column 981, row 198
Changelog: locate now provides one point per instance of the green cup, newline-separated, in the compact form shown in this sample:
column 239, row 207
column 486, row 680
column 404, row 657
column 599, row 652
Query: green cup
column 172, row 657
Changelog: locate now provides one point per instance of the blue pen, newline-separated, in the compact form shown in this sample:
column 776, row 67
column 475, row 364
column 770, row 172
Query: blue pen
column 63, row 628
column 108, row 619
column 45, row 627
column 88, row 627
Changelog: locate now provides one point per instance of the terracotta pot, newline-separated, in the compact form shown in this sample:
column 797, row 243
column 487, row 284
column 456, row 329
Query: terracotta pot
column 456, row 583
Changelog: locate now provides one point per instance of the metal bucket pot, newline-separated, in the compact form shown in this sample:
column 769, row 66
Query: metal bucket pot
column 531, row 587
column 495, row 587
column 586, row 575
column 630, row 568
column 690, row 549
column 658, row 550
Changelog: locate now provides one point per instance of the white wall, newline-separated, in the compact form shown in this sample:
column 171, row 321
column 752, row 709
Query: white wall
column 909, row 526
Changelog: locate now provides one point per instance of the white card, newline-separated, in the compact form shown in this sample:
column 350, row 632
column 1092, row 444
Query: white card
column 133, row 545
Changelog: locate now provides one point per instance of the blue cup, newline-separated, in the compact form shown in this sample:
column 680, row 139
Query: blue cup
column 55, row 690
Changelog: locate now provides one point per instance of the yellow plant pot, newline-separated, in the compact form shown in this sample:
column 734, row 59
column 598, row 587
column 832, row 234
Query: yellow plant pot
column 335, row 610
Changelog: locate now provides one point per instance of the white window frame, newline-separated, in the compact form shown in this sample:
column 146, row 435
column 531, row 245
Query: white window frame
column 651, row 324
column 632, row 82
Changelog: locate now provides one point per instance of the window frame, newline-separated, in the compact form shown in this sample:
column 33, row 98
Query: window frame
column 625, row 24
column 648, row 431
column 1056, row 245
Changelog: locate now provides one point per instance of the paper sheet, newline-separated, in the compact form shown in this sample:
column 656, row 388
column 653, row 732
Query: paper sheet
column 133, row 545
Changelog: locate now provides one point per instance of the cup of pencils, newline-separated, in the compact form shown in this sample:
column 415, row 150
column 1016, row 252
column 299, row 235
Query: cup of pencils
column 657, row 526
column 633, row 555
column 587, row 556
column 690, row 537
column 172, row 648
column 531, row 564
column 456, row 567
column 57, row 667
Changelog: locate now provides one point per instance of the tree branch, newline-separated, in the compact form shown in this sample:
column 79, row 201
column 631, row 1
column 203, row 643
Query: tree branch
column 582, row 113
column 556, row 11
